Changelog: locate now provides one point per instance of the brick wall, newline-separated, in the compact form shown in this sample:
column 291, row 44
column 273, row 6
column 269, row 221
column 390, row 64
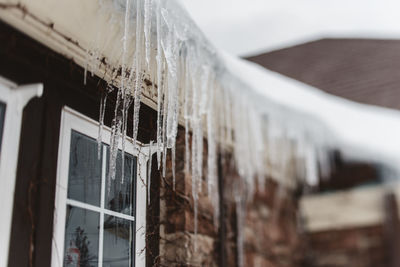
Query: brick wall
column 356, row 247
column 270, row 226
column 177, row 238
column 350, row 243
column 271, row 235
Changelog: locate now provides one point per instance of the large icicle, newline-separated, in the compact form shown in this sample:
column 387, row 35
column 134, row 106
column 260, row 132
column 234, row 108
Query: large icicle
column 147, row 29
column 103, row 104
column 212, row 179
column 160, row 62
column 138, row 66
column 186, row 116
column 126, row 101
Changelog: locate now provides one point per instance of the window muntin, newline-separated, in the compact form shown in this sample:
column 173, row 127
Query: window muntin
column 87, row 192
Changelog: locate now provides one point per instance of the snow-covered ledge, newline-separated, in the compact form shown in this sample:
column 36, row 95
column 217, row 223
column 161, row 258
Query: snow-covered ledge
column 69, row 28
column 15, row 98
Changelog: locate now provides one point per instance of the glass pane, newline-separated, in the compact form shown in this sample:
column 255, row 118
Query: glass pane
column 118, row 242
column 81, row 238
column 84, row 182
column 2, row 114
column 120, row 197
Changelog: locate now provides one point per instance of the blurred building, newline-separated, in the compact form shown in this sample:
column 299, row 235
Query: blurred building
column 351, row 216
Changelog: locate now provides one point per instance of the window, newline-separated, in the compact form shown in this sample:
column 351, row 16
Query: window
column 13, row 99
column 98, row 221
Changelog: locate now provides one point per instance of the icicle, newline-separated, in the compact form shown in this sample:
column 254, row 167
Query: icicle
column 171, row 47
column 114, row 143
column 204, row 99
column 240, row 229
column 147, row 29
column 103, row 103
column 173, row 166
column 138, row 80
column 86, row 67
column 197, row 135
column 211, row 149
column 164, row 161
column 164, row 125
column 311, row 166
column 115, row 138
column 187, row 88
column 125, row 109
column 159, row 83
column 125, row 100
column 172, row 100
column 124, row 40
column 149, row 172
column 195, row 209
column 212, row 182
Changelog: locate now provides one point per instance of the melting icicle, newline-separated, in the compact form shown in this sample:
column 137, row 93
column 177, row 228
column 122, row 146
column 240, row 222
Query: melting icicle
column 195, row 194
column 211, row 149
column 101, row 124
column 114, row 144
column 311, row 166
column 212, row 182
column 171, row 115
column 147, row 29
column 186, row 117
column 164, row 125
column 138, row 80
column 159, row 83
column 173, row 166
column 125, row 97
column 240, row 229
column 149, row 172
column 126, row 104
column 86, row 67
column 164, row 161
column 170, row 49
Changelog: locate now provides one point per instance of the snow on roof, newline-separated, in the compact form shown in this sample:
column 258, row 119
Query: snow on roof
column 276, row 127
column 360, row 131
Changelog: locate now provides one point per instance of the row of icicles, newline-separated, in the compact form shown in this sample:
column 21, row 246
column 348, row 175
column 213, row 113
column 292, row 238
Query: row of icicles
column 160, row 42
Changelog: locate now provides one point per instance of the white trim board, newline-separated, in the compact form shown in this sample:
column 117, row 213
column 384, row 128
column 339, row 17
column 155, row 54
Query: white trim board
column 15, row 98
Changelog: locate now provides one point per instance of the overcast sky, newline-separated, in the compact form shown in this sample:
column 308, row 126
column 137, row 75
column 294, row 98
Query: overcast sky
column 248, row 27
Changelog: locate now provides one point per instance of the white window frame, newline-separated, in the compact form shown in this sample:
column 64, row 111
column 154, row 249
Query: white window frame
column 72, row 120
column 15, row 98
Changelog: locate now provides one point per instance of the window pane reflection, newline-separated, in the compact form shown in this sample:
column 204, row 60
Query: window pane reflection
column 81, row 238
column 118, row 242
column 84, row 181
column 120, row 197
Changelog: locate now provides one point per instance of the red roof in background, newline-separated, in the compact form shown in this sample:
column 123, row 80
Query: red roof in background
column 363, row 70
